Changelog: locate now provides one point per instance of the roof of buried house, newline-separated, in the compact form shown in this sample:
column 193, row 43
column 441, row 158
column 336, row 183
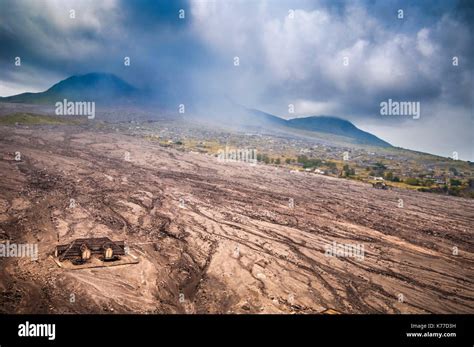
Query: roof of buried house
column 98, row 244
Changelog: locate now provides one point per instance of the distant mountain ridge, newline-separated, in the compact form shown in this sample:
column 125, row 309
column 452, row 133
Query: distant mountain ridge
column 337, row 126
column 110, row 89
column 89, row 87
column 321, row 124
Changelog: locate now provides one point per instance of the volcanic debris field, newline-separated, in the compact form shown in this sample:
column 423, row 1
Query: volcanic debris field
column 219, row 237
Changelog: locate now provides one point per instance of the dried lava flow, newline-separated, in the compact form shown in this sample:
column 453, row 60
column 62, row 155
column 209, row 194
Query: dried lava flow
column 220, row 237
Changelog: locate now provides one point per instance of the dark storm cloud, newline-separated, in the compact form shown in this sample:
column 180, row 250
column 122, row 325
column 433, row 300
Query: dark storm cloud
column 154, row 14
column 282, row 60
column 52, row 44
column 164, row 48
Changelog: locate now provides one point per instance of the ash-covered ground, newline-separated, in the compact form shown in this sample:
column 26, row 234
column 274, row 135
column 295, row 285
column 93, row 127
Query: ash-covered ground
column 219, row 237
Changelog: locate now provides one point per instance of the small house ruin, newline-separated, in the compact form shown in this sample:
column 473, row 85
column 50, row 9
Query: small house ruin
column 80, row 251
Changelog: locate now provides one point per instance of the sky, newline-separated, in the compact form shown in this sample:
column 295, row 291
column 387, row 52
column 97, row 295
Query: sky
column 339, row 58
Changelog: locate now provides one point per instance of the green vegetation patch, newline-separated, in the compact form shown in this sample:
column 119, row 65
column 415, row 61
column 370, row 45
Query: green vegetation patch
column 36, row 119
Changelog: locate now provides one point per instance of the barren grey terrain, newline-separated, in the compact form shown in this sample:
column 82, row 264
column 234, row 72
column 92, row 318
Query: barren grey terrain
column 219, row 237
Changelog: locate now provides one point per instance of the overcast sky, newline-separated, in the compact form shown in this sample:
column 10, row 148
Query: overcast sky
column 324, row 57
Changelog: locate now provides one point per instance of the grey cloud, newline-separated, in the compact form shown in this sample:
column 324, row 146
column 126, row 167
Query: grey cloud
column 282, row 61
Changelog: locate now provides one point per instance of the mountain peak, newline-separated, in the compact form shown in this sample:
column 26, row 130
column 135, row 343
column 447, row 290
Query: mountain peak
column 93, row 80
column 94, row 86
column 337, row 126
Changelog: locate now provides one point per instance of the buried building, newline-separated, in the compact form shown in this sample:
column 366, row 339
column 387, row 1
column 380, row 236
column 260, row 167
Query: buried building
column 80, row 251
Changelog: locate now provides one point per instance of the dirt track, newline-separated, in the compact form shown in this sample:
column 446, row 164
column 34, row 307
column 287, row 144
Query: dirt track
column 220, row 237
